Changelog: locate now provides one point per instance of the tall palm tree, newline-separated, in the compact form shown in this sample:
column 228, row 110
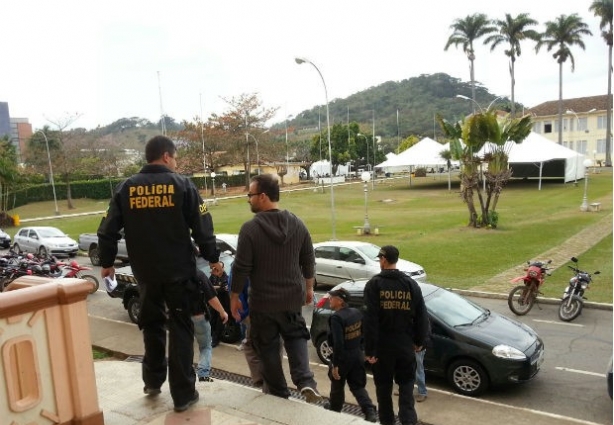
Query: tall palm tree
column 561, row 35
column 603, row 9
column 512, row 31
column 465, row 32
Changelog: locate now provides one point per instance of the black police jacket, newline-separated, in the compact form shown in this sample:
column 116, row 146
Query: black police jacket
column 159, row 210
column 345, row 334
column 395, row 316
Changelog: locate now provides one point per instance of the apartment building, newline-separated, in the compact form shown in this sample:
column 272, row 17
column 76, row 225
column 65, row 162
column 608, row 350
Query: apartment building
column 584, row 124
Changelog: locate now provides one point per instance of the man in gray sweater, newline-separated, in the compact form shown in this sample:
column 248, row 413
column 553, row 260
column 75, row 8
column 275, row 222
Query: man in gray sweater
column 275, row 253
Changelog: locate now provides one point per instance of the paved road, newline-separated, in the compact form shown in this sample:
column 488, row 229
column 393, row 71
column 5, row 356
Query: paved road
column 571, row 383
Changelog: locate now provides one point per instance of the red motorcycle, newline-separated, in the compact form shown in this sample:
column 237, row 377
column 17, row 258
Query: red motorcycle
column 522, row 297
column 74, row 269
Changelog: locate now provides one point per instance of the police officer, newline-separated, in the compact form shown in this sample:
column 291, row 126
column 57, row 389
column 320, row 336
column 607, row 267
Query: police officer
column 159, row 210
column 348, row 361
column 396, row 326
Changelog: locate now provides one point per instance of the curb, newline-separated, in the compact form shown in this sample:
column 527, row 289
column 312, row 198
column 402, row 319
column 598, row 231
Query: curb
column 543, row 300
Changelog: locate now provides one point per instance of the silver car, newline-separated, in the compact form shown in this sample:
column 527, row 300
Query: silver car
column 45, row 241
column 338, row 261
column 5, row 239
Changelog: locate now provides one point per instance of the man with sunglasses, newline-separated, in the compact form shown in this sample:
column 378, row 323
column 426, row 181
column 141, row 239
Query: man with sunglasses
column 275, row 253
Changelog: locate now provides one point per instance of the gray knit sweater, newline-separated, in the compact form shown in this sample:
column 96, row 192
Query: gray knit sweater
column 276, row 253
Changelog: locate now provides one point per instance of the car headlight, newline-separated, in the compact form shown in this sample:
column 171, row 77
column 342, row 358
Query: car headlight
column 507, row 352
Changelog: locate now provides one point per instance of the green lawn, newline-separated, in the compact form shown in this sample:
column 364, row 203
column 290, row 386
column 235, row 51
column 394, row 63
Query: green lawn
column 428, row 224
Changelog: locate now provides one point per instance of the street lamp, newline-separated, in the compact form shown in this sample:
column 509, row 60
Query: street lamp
column 330, row 150
column 571, row 111
column 213, row 184
column 366, row 144
column 584, row 206
column 366, row 176
column 55, row 199
column 460, row 96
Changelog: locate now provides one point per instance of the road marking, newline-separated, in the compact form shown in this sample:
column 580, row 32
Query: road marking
column 583, row 372
column 552, row 322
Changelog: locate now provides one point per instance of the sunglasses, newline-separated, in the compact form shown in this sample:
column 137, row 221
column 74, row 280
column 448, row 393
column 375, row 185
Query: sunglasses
column 249, row 195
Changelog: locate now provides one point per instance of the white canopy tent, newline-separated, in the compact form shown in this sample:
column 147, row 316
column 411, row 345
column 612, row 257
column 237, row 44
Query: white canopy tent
column 540, row 157
column 425, row 152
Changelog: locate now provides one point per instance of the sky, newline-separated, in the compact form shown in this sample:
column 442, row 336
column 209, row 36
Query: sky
column 102, row 61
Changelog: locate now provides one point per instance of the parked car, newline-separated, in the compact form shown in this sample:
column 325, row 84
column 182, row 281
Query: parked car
column 5, row 239
column 338, row 261
column 128, row 291
column 227, row 242
column 474, row 348
column 45, row 241
column 88, row 242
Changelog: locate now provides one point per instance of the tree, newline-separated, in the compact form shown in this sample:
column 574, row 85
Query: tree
column 603, row 10
column 8, row 170
column 561, row 35
column 465, row 32
column 512, row 31
column 475, row 132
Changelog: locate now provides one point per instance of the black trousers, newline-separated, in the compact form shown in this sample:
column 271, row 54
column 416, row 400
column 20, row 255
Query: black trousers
column 398, row 366
column 266, row 333
column 156, row 300
column 353, row 372
column 217, row 326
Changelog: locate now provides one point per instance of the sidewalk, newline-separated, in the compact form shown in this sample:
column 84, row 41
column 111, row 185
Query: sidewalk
column 121, row 398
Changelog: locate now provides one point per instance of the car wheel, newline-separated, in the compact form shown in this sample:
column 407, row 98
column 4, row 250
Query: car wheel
column 324, row 350
column 94, row 258
column 16, row 248
column 468, row 377
column 42, row 252
column 134, row 309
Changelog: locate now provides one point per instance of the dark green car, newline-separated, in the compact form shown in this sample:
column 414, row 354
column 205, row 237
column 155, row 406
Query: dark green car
column 471, row 346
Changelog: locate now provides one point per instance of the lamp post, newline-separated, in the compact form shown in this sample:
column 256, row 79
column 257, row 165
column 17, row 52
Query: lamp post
column 55, row 199
column 571, row 111
column 366, row 144
column 330, row 150
column 366, row 176
column 460, row 96
column 584, row 207
column 213, row 187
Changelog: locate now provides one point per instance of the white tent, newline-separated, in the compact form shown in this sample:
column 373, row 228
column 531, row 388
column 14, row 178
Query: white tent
column 540, row 157
column 388, row 168
column 425, row 152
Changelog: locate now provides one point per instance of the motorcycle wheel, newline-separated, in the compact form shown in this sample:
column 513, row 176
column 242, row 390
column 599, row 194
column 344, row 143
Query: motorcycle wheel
column 520, row 300
column 570, row 309
column 92, row 279
column 134, row 309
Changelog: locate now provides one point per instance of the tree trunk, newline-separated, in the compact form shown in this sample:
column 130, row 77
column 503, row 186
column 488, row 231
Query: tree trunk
column 608, row 131
column 512, row 62
column 69, row 196
column 560, row 103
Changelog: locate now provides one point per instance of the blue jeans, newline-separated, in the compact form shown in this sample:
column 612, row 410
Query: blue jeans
column 420, row 378
column 202, row 332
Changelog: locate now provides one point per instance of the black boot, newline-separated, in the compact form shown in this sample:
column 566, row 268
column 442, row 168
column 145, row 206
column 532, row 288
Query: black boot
column 370, row 415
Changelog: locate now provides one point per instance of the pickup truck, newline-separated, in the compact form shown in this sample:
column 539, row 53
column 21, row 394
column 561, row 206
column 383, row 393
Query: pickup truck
column 88, row 242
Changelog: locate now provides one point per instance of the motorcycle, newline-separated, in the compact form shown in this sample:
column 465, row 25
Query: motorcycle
column 74, row 269
column 522, row 298
column 573, row 297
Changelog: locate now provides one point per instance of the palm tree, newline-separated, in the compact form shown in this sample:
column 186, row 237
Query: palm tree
column 561, row 35
column 512, row 31
column 603, row 9
column 465, row 32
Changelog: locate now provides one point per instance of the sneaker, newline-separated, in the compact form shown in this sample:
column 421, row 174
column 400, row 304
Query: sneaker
column 205, row 379
column 371, row 415
column 184, row 407
column 151, row 392
column 420, row 398
column 311, row 395
column 241, row 346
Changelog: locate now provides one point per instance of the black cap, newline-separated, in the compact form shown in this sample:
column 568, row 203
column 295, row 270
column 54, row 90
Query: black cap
column 341, row 293
column 390, row 253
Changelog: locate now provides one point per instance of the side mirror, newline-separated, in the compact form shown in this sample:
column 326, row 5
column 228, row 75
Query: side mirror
column 358, row 261
column 597, row 272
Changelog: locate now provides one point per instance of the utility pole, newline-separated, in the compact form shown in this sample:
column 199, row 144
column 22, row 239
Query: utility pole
column 162, row 118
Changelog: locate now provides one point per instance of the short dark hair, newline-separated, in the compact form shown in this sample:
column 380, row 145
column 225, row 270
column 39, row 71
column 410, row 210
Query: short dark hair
column 269, row 185
column 390, row 253
column 157, row 146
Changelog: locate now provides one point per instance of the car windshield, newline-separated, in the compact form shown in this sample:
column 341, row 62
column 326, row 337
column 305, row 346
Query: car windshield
column 50, row 233
column 369, row 250
column 452, row 309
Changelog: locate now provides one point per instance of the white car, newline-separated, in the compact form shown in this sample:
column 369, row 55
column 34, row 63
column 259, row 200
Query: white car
column 45, row 241
column 338, row 261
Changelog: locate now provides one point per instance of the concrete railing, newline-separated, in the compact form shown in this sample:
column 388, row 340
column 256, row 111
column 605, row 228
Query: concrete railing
column 47, row 369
